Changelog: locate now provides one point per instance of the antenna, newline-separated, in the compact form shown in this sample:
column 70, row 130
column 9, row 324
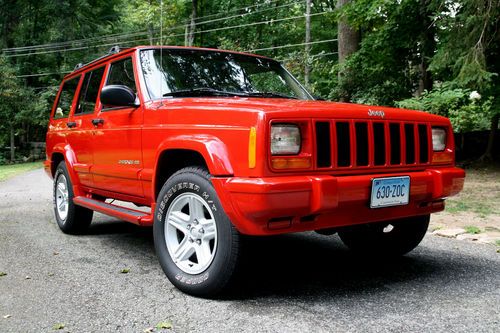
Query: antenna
column 161, row 54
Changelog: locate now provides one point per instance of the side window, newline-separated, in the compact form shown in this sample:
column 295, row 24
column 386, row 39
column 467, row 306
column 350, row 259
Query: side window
column 63, row 107
column 122, row 72
column 89, row 91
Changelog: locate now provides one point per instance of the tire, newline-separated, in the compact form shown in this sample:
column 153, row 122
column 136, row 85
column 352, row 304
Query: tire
column 196, row 243
column 71, row 219
column 390, row 238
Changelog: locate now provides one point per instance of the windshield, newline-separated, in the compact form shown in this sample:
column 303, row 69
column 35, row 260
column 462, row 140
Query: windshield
column 189, row 73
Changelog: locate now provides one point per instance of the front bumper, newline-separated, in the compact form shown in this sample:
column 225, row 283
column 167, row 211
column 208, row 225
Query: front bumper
column 274, row 205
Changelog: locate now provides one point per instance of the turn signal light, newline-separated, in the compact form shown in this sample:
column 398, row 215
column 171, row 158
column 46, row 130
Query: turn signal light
column 291, row 163
column 442, row 157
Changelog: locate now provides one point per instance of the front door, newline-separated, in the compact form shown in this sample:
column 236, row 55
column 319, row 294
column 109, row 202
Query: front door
column 117, row 139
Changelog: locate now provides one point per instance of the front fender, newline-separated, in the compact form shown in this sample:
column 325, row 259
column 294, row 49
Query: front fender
column 213, row 150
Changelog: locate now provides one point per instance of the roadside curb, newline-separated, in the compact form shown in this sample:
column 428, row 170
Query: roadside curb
column 462, row 235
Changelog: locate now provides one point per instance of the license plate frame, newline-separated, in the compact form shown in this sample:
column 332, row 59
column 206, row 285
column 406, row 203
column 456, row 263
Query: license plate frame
column 391, row 200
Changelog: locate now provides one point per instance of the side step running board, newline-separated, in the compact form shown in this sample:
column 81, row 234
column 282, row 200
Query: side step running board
column 126, row 214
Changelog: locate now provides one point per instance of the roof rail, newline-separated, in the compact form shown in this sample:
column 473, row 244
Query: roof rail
column 115, row 49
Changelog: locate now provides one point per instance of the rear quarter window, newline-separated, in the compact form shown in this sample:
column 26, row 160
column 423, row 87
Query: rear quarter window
column 121, row 72
column 65, row 102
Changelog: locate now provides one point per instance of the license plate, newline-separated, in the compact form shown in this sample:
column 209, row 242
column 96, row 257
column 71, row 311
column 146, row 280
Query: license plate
column 390, row 191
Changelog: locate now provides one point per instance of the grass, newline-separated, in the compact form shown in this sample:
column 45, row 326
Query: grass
column 471, row 229
column 481, row 193
column 11, row 170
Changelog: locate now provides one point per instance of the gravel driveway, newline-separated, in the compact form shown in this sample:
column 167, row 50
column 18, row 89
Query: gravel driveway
column 294, row 283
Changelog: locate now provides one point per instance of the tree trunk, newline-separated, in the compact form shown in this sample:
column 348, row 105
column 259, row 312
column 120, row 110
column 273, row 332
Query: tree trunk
column 150, row 28
column 192, row 25
column 12, row 144
column 348, row 43
column 307, row 69
column 488, row 154
column 428, row 46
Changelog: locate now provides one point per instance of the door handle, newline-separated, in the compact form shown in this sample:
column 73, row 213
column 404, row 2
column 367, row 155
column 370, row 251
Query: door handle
column 71, row 124
column 97, row 121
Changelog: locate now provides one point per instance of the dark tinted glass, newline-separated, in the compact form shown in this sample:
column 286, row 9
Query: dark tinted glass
column 89, row 91
column 65, row 102
column 122, row 73
column 175, row 70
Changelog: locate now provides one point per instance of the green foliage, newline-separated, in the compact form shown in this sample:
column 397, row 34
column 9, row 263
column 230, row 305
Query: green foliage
column 58, row 326
column 466, row 114
column 10, row 92
column 381, row 72
column 471, row 229
column 468, row 43
column 8, row 171
column 164, row 325
column 455, row 42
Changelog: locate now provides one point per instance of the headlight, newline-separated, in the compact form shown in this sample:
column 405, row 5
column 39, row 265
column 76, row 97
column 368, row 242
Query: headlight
column 438, row 139
column 285, row 139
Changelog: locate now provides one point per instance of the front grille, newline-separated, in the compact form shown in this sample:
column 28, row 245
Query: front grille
column 352, row 144
column 343, row 147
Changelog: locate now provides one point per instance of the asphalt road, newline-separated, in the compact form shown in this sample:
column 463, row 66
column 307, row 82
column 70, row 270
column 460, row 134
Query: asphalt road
column 294, row 283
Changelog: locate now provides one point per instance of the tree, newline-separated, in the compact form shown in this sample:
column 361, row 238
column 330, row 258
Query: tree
column 468, row 54
column 427, row 45
column 307, row 69
column 348, row 43
column 11, row 97
column 192, row 24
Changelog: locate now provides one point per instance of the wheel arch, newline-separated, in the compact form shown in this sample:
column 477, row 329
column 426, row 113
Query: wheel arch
column 64, row 153
column 179, row 152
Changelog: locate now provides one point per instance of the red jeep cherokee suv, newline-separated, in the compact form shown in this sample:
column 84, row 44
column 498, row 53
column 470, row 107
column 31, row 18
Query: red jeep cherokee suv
column 220, row 144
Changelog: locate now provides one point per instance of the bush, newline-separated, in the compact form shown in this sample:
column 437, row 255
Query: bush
column 465, row 108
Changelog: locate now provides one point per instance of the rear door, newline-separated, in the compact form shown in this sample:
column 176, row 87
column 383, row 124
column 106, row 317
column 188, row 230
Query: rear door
column 117, row 137
column 80, row 136
column 60, row 125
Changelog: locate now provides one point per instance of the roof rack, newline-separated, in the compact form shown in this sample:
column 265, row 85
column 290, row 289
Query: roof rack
column 115, row 49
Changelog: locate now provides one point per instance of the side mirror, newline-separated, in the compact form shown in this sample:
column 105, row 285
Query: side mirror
column 118, row 95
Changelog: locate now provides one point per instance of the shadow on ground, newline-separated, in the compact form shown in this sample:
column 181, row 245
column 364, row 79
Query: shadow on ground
column 306, row 264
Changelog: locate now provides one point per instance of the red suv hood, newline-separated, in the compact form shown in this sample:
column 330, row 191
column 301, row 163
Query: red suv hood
column 291, row 108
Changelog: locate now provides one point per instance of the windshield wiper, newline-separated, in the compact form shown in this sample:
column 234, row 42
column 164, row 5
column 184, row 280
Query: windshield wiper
column 269, row 94
column 201, row 92
column 205, row 91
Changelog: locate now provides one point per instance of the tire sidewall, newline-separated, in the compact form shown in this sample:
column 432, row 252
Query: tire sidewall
column 64, row 225
column 371, row 241
column 214, row 277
